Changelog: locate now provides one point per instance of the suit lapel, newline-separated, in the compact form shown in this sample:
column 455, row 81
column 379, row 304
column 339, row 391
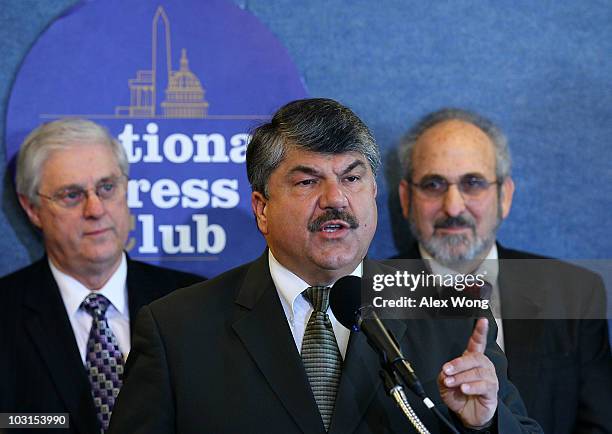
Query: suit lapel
column 264, row 331
column 360, row 373
column 49, row 328
column 521, row 336
column 517, row 301
column 266, row 335
column 360, row 380
column 142, row 289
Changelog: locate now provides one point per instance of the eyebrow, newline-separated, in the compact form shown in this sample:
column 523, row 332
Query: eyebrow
column 98, row 182
column 352, row 166
column 303, row 169
column 437, row 175
column 312, row 171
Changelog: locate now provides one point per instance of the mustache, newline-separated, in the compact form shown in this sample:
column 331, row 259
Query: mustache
column 455, row 222
column 333, row 214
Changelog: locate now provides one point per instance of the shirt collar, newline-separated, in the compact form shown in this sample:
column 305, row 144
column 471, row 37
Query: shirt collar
column 74, row 292
column 289, row 285
column 489, row 267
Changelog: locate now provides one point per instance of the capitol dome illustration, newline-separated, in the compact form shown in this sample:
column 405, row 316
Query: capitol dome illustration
column 184, row 94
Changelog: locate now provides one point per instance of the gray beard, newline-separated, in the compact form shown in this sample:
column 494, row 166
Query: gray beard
column 449, row 250
column 444, row 248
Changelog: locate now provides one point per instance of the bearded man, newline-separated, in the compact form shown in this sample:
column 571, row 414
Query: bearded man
column 456, row 191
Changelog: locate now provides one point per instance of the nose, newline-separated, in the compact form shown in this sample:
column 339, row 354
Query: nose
column 93, row 208
column 454, row 204
column 333, row 196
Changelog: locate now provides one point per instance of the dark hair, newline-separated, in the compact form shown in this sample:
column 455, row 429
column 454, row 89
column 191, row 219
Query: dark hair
column 503, row 161
column 317, row 125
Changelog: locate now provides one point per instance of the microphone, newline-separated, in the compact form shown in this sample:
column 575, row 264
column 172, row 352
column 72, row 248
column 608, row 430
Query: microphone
column 345, row 303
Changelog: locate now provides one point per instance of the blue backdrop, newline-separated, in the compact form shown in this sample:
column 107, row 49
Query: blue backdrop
column 541, row 70
column 180, row 85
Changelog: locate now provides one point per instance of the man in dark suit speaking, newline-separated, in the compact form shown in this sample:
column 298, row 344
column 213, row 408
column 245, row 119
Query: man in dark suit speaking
column 255, row 350
column 65, row 320
column 456, row 191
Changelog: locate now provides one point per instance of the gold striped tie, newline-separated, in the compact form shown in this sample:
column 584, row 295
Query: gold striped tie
column 320, row 353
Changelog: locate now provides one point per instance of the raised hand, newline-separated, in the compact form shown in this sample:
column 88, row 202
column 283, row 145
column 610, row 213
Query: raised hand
column 468, row 384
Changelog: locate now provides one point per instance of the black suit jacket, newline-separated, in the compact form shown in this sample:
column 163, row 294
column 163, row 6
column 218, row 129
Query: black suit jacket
column 219, row 357
column 42, row 368
column 562, row 367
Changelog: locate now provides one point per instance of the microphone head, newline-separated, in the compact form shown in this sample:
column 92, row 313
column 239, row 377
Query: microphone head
column 345, row 301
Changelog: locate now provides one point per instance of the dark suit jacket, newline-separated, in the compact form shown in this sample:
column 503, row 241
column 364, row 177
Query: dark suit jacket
column 219, row 357
column 44, row 371
column 562, row 367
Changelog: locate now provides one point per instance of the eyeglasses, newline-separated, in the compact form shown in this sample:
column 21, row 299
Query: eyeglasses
column 70, row 197
column 472, row 186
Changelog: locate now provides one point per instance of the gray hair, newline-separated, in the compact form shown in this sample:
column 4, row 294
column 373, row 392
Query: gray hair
column 503, row 160
column 316, row 125
column 59, row 135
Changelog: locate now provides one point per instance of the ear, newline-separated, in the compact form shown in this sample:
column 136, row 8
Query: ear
column 507, row 191
column 259, row 204
column 31, row 210
column 404, row 197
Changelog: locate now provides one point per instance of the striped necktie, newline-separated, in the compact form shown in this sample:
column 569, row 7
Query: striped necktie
column 320, row 353
column 104, row 361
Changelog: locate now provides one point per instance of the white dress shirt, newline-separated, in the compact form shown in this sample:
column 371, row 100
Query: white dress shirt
column 296, row 307
column 74, row 292
column 489, row 268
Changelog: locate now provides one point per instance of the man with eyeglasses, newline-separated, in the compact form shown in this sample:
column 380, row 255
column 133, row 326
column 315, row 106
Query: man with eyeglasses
column 455, row 192
column 66, row 318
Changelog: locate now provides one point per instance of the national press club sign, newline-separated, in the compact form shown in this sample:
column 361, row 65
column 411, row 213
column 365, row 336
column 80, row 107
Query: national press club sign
column 180, row 83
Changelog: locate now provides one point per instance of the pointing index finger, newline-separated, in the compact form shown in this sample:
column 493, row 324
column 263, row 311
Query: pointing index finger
column 478, row 340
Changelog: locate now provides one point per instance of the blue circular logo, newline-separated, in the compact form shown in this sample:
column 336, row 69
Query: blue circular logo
column 180, row 84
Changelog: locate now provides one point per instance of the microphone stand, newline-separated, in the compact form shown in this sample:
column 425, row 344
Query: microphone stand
column 394, row 386
column 396, row 391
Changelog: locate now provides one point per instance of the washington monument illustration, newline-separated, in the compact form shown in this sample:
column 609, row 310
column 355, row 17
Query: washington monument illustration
column 162, row 92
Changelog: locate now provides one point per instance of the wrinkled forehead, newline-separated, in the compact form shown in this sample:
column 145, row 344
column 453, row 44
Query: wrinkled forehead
column 452, row 149
column 338, row 160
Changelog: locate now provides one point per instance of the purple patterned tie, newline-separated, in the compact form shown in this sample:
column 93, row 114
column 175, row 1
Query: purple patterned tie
column 104, row 361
